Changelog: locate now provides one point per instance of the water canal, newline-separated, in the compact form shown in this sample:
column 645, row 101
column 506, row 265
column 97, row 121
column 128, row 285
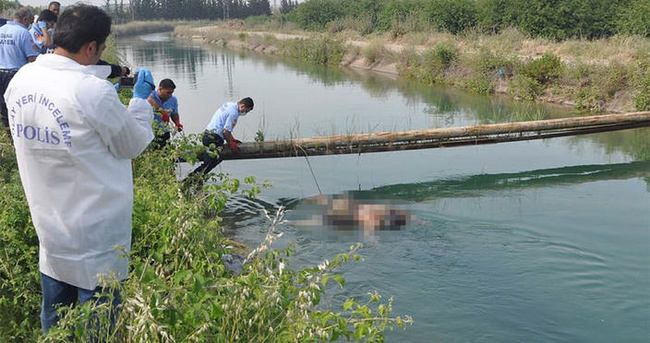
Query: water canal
column 532, row 241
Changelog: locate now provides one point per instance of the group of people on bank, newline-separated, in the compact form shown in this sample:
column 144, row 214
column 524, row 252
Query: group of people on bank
column 74, row 141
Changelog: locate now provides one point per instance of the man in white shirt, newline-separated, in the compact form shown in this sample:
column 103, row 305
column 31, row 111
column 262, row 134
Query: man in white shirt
column 74, row 143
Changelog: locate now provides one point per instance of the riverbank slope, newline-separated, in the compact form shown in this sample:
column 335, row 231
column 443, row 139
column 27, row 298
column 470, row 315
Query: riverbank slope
column 609, row 75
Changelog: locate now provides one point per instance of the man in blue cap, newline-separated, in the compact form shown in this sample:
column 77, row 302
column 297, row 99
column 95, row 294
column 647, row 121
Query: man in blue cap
column 16, row 49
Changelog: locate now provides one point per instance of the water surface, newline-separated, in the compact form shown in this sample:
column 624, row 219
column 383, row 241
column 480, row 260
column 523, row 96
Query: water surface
column 530, row 241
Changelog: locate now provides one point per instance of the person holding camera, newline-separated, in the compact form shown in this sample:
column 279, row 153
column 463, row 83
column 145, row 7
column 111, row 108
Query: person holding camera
column 74, row 146
column 165, row 107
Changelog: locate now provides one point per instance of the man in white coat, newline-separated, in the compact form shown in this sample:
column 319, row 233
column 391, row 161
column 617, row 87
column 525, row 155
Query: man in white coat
column 74, row 143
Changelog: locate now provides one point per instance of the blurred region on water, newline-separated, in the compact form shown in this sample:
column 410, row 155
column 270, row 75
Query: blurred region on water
column 345, row 212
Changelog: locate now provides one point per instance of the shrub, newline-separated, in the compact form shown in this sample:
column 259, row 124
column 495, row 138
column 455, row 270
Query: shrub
column 316, row 14
column 485, row 62
column 412, row 22
column 454, row 16
column 374, row 51
column 589, row 99
column 524, row 87
column 596, row 84
column 257, row 20
column 325, row 51
column 396, row 11
column 562, row 19
column 436, row 61
column 362, row 24
column 544, row 69
column 634, row 18
column 480, row 84
column 19, row 285
column 337, row 25
column 496, row 15
column 408, row 62
column 641, row 83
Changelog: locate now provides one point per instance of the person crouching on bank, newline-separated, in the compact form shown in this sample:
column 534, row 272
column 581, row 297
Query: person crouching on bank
column 220, row 129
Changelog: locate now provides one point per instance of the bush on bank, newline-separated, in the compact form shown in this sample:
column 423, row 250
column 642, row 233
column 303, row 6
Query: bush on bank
column 178, row 288
column 556, row 19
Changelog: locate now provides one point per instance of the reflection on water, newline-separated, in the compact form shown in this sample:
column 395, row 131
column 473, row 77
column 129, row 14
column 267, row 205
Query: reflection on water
column 475, row 185
column 187, row 60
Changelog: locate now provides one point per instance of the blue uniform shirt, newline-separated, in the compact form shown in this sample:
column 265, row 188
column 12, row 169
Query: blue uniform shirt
column 224, row 118
column 170, row 105
column 16, row 45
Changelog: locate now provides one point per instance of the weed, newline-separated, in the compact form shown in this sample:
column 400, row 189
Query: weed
column 323, row 50
column 436, row 61
column 642, row 86
column 135, row 28
column 524, row 87
column 408, row 62
column 259, row 136
column 374, row 51
column 480, row 85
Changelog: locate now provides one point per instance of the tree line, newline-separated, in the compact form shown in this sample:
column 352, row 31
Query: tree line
column 554, row 19
column 198, row 9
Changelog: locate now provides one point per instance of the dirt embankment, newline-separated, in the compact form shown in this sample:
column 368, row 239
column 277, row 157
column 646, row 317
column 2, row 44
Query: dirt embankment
column 265, row 42
column 257, row 41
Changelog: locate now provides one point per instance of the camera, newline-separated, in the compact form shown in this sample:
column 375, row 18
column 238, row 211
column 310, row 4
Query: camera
column 127, row 81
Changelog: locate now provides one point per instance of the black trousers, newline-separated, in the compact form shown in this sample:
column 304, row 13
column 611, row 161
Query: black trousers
column 160, row 140
column 209, row 162
column 5, row 76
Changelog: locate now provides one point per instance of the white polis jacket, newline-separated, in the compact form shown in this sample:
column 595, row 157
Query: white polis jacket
column 74, row 140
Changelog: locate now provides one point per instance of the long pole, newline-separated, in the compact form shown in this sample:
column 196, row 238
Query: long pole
column 441, row 137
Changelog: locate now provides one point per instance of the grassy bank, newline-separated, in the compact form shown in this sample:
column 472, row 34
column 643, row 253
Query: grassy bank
column 178, row 288
column 134, row 28
column 592, row 75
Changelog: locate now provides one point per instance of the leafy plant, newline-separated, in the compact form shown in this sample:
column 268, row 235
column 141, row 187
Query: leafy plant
column 436, row 61
column 544, row 69
column 259, row 136
column 524, row 87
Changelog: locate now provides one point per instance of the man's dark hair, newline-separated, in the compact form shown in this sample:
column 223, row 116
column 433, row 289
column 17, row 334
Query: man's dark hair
column 54, row 3
column 248, row 102
column 81, row 24
column 47, row 16
column 166, row 84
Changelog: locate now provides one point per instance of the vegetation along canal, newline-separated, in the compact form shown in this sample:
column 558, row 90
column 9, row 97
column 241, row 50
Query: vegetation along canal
column 530, row 241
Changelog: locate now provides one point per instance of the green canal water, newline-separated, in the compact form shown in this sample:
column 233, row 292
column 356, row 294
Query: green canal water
column 534, row 241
